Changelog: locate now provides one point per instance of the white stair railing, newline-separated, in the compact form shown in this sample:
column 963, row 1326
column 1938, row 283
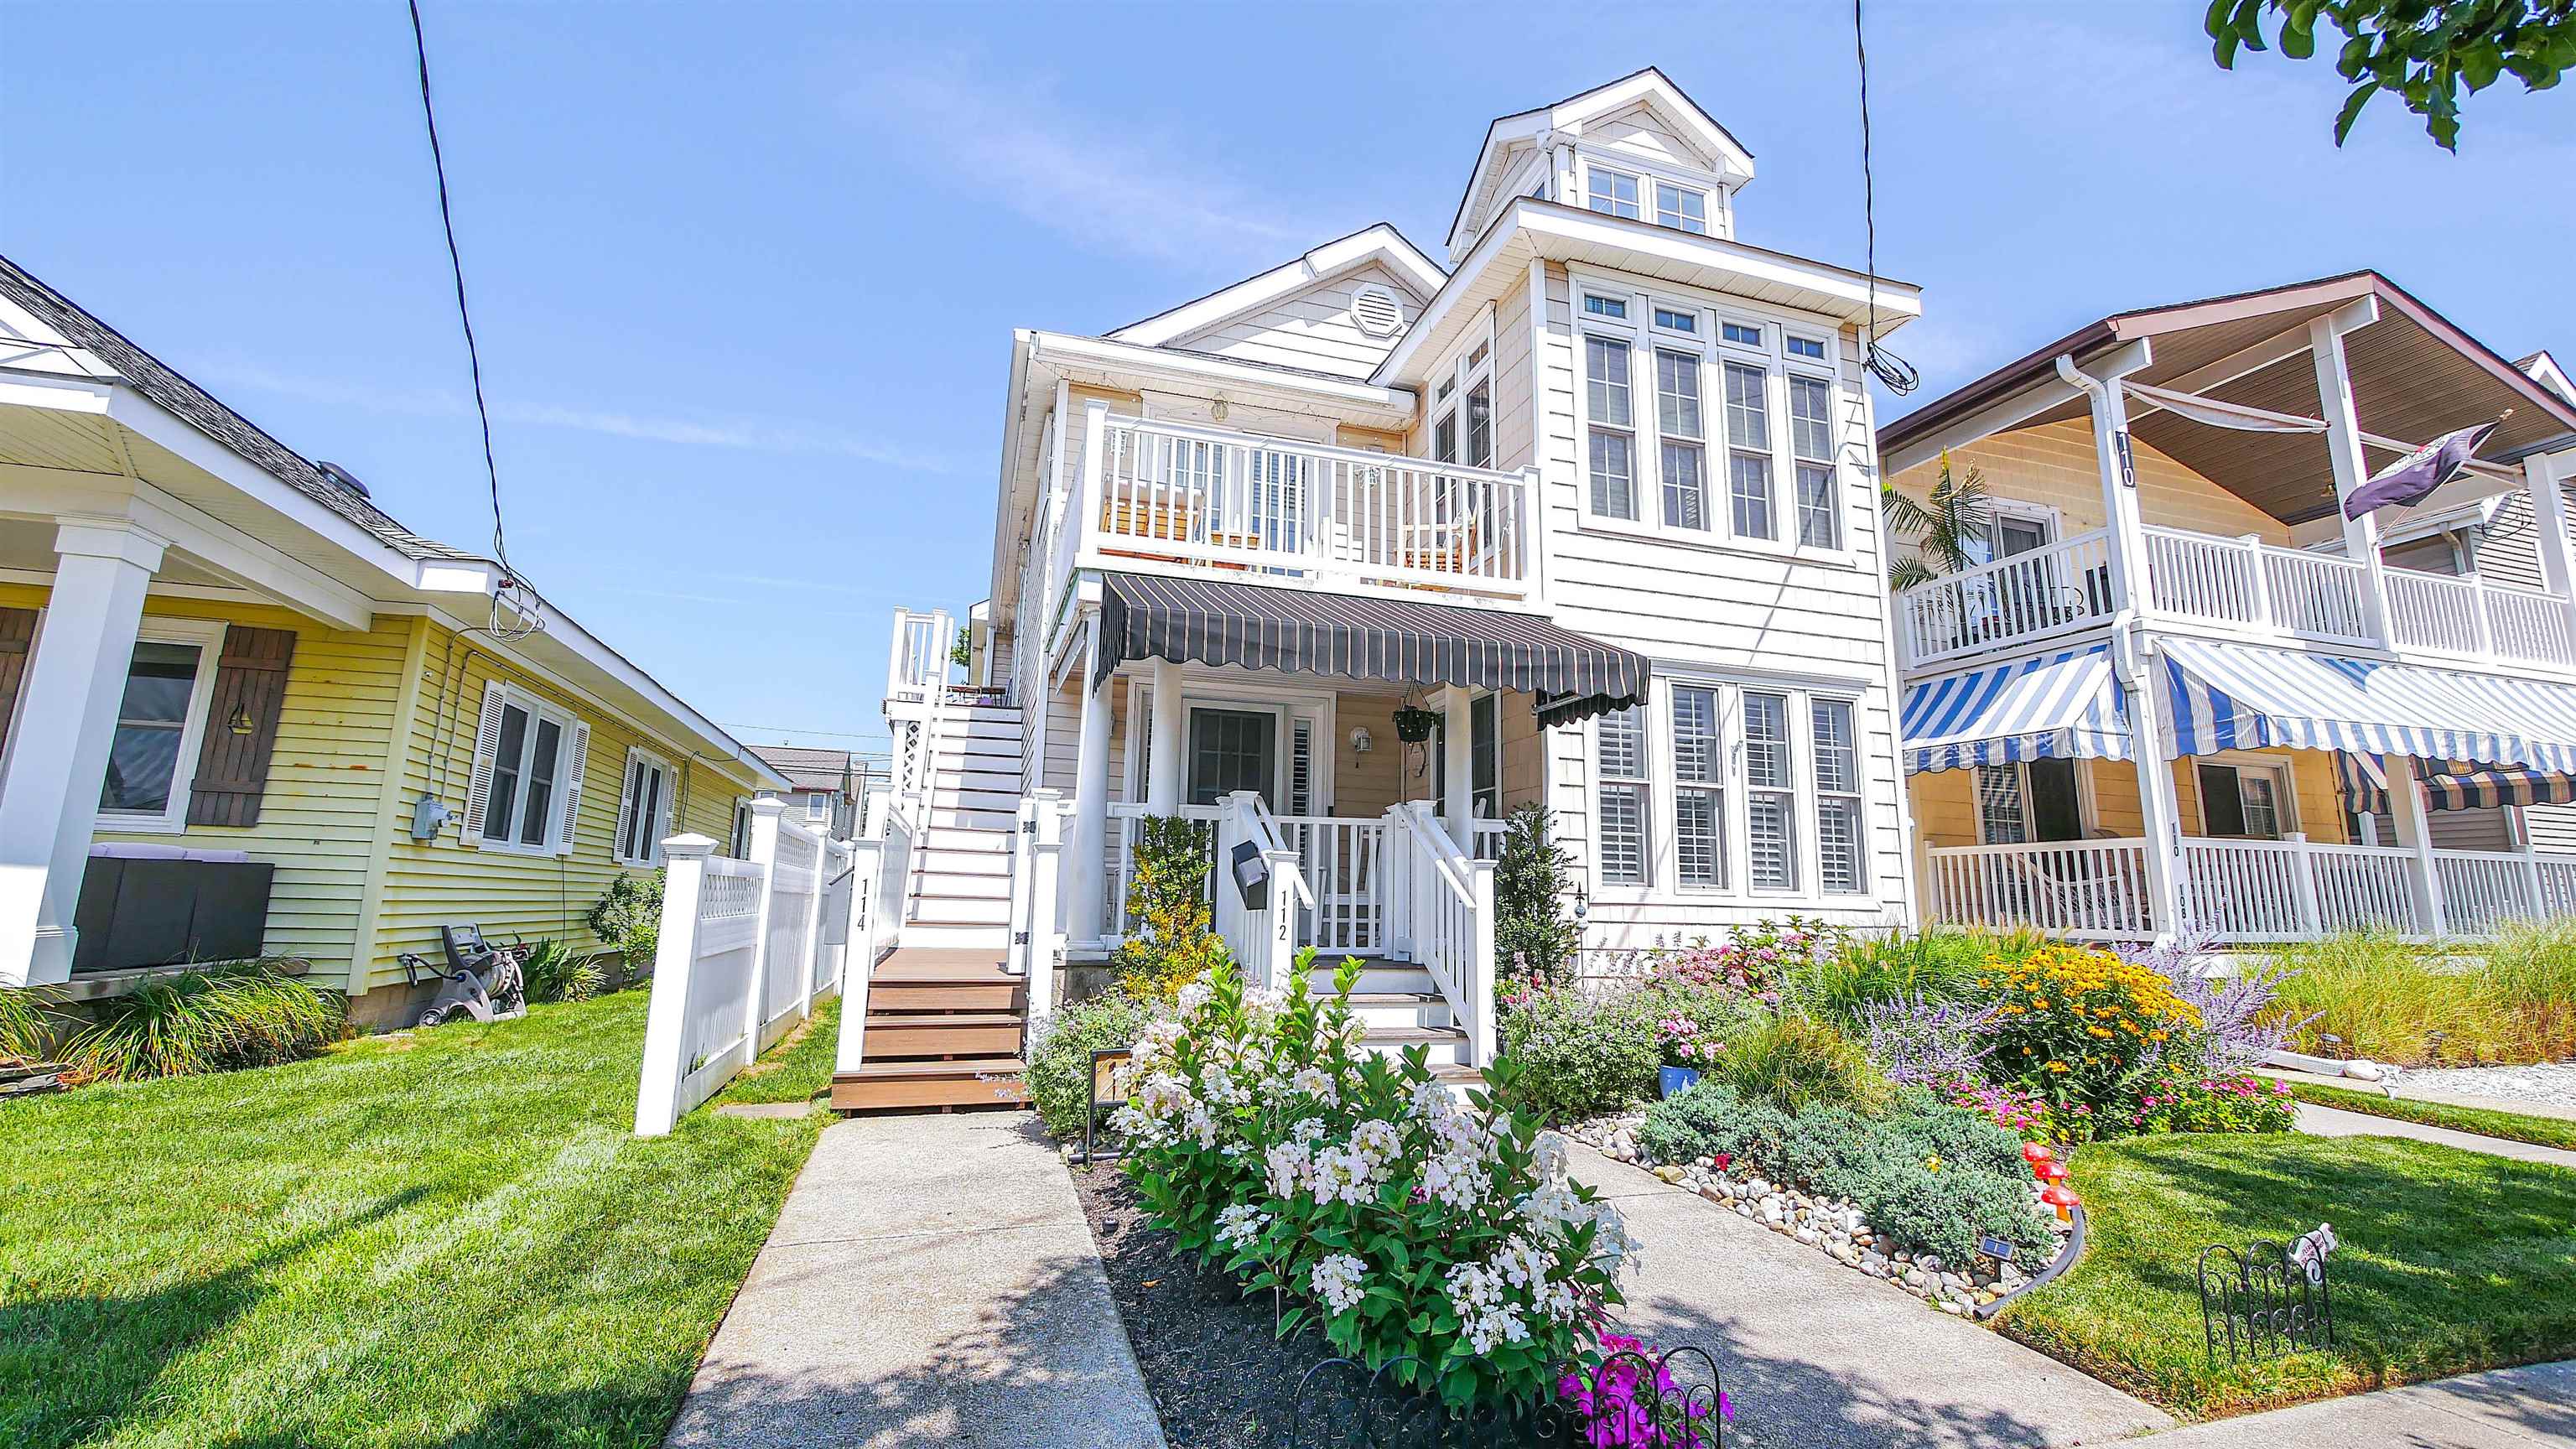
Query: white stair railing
column 1037, row 915
column 1261, row 936
column 1444, row 899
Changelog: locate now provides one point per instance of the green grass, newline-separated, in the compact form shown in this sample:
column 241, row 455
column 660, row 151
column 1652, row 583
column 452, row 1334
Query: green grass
column 798, row 1069
column 2451, row 1261
column 448, row 1240
column 2511, row 1001
column 2485, row 1121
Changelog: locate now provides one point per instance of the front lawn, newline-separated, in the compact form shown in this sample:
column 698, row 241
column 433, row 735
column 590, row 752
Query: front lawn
column 444, row 1239
column 2451, row 1261
column 2483, row 1121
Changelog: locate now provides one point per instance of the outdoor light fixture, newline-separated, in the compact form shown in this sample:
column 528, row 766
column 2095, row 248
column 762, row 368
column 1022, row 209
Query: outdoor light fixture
column 1360, row 740
column 239, row 721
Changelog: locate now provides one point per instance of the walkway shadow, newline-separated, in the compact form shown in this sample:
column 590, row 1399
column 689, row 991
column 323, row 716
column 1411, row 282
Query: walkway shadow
column 75, row 1369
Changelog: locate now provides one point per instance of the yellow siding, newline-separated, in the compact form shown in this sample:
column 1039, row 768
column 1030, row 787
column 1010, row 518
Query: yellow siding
column 1945, row 810
column 2054, row 466
column 507, row 894
column 334, row 745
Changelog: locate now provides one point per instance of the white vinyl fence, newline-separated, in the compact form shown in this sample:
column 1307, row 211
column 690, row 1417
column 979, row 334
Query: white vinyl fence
column 745, row 954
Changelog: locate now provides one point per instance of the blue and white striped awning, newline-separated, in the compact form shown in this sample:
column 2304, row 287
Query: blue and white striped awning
column 2062, row 706
column 2363, row 782
column 2238, row 696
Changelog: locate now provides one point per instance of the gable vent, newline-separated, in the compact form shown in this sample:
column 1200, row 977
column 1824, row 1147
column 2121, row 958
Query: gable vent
column 1377, row 311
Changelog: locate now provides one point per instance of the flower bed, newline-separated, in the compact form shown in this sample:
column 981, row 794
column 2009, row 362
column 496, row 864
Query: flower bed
column 1438, row 1239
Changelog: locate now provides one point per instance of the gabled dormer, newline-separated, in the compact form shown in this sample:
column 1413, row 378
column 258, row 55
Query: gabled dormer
column 1638, row 148
column 1337, row 310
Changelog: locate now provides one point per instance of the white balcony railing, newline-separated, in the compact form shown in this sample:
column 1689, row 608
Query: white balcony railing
column 1171, row 494
column 2244, row 586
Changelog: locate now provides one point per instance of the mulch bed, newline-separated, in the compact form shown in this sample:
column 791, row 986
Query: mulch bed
column 1212, row 1359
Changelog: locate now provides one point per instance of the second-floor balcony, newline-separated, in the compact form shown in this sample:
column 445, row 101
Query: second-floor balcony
column 1153, row 493
column 2243, row 588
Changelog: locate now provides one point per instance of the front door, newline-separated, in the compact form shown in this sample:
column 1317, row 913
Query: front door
column 1233, row 749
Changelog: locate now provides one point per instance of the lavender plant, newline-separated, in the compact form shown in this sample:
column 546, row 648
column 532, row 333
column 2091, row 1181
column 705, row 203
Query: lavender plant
column 2238, row 1027
column 1919, row 1041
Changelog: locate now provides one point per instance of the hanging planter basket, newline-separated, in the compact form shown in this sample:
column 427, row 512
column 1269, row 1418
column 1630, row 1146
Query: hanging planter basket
column 1413, row 724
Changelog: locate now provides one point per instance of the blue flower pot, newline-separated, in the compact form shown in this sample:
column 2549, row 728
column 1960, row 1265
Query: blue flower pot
column 1674, row 1079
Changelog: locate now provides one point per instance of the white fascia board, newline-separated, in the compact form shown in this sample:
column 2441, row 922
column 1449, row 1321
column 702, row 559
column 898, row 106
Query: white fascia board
column 2542, row 368
column 54, row 391
column 1015, row 408
column 1655, row 87
column 255, row 564
column 1527, row 126
column 2002, row 415
column 1063, row 349
column 1379, row 243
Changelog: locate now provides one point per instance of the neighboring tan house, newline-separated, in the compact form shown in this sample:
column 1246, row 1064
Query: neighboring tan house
column 2180, row 692
column 1594, row 502
column 825, row 788
column 246, row 712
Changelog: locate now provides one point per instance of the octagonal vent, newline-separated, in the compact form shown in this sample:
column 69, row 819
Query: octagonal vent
column 1377, row 311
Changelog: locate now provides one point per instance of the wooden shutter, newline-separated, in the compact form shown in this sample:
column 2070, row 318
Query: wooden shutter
column 576, row 764
column 487, row 747
column 17, row 639
column 625, row 808
column 241, row 726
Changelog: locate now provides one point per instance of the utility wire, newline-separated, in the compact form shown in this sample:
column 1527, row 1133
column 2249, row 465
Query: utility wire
column 1898, row 374
column 511, row 596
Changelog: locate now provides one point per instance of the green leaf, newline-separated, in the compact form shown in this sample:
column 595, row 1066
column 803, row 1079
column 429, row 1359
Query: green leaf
column 2351, row 111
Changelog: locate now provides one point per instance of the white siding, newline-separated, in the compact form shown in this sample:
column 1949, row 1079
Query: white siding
column 1311, row 329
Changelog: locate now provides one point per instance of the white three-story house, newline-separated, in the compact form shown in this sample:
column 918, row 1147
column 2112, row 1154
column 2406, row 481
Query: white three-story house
column 1352, row 558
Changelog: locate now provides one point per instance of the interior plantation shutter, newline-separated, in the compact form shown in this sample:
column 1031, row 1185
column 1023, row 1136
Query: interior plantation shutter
column 241, row 726
column 17, row 638
column 487, row 746
column 625, row 807
column 576, row 766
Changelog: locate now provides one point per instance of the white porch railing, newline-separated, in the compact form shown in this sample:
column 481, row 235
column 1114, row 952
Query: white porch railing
column 1311, row 512
column 2248, row 890
column 2254, row 589
column 2061, row 588
column 1342, row 860
column 1262, row 936
column 1037, row 875
column 1441, row 916
column 917, row 660
column 741, row 958
column 880, row 878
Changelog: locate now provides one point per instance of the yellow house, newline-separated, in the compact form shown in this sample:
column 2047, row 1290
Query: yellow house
column 2172, row 686
column 243, row 711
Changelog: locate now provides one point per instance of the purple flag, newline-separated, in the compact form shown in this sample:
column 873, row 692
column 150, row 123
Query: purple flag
column 2412, row 478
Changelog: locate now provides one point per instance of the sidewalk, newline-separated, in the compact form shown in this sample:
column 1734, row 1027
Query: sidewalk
column 1814, row 1354
column 2334, row 1122
column 2506, row 1409
column 931, row 1280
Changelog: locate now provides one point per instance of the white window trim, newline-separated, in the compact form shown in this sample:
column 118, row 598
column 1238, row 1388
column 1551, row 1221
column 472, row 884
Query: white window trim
column 567, row 794
column 2285, row 790
column 172, row 819
column 2087, row 818
column 1707, row 208
column 1464, row 374
column 818, row 806
column 1716, row 194
column 662, row 808
column 1643, row 295
column 1638, row 177
column 1663, row 853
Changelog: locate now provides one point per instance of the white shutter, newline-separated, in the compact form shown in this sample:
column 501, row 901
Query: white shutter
column 625, row 807
column 576, row 765
column 661, row 819
column 487, row 747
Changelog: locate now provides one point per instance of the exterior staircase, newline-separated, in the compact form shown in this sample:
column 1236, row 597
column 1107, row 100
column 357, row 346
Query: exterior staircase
column 1402, row 1007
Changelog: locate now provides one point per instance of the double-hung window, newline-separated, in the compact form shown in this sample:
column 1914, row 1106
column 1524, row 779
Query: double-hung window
column 526, row 791
column 1838, row 818
column 644, row 809
column 818, row 806
column 1811, row 447
column 1681, row 207
column 1699, row 789
column 160, row 719
column 1613, row 444
column 1462, row 424
column 1748, row 455
column 1770, row 794
column 1613, row 193
column 1684, row 461
column 1623, row 800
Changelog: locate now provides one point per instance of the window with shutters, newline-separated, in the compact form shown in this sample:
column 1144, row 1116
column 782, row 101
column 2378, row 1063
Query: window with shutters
column 644, row 809
column 1770, row 794
column 1838, row 815
column 160, row 723
column 1622, row 796
column 1699, row 791
column 529, row 756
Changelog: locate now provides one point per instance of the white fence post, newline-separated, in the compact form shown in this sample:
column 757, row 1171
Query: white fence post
column 1037, row 946
column 859, row 957
column 2304, row 882
column 811, row 968
column 1480, row 961
column 657, row 1096
column 764, row 853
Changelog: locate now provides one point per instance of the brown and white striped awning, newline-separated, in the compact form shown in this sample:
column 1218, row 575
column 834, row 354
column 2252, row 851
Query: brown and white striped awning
column 1208, row 621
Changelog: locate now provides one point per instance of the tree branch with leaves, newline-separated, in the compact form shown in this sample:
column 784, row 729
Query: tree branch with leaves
column 1953, row 517
column 2424, row 50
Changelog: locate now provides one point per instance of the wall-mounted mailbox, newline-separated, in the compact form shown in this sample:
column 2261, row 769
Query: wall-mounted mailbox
column 1251, row 876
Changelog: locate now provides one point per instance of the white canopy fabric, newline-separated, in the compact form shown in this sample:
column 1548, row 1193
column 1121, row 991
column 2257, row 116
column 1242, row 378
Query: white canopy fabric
column 2063, row 706
column 2231, row 696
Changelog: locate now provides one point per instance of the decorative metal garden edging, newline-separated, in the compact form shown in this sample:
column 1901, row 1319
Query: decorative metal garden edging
column 1629, row 1398
column 2068, row 1252
column 2269, row 1300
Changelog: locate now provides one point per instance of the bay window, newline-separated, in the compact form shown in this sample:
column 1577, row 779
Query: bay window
column 1613, row 426
column 1811, row 409
column 1748, row 457
column 1677, row 418
column 1620, row 756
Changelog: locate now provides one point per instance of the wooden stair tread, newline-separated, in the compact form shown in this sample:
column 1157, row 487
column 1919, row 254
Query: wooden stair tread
column 970, row 1067
column 1394, row 998
column 1411, row 1034
column 878, row 1019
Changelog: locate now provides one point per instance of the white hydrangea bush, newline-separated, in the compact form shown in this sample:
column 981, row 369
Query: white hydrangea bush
column 1410, row 1224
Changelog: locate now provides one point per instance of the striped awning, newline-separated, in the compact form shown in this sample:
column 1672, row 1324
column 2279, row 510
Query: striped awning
column 2063, row 706
column 1295, row 631
column 2486, row 786
column 2362, row 780
column 2232, row 696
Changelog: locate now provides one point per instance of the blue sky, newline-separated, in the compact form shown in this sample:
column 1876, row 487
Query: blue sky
column 745, row 275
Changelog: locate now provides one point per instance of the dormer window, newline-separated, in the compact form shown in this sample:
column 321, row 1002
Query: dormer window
column 1614, row 193
column 1681, row 208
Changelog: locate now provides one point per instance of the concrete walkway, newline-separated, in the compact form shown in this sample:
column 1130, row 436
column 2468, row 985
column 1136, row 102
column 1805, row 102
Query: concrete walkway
column 1814, row 1354
column 2412, row 1086
column 930, row 1281
column 2507, row 1409
column 2335, row 1122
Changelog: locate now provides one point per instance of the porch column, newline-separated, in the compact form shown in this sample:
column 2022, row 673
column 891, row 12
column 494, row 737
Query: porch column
column 1165, row 771
column 58, row 750
column 1090, row 800
column 2545, row 475
column 2406, row 815
column 2343, row 450
column 1457, row 751
column 2159, row 812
